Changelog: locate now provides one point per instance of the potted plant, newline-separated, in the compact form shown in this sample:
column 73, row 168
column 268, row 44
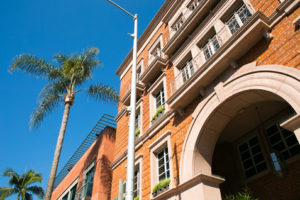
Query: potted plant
column 158, row 112
column 161, row 187
column 245, row 195
column 137, row 132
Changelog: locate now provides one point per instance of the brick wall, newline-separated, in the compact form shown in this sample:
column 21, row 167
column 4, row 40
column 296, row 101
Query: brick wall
column 100, row 151
column 283, row 49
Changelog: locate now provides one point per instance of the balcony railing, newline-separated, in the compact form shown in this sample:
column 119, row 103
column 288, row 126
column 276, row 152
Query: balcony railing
column 156, row 54
column 189, row 69
column 206, row 65
column 190, row 20
column 85, row 192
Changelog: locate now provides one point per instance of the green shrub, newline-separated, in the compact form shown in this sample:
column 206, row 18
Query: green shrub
column 245, row 195
column 158, row 111
column 136, row 198
column 137, row 132
column 161, row 184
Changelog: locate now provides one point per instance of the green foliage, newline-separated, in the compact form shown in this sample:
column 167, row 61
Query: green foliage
column 137, row 198
column 245, row 195
column 161, row 184
column 137, row 132
column 22, row 185
column 158, row 111
column 70, row 73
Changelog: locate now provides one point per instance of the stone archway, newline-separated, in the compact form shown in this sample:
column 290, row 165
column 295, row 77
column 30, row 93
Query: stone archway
column 248, row 85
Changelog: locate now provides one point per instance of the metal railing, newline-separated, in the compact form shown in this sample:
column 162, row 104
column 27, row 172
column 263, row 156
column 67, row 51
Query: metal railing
column 205, row 53
column 85, row 192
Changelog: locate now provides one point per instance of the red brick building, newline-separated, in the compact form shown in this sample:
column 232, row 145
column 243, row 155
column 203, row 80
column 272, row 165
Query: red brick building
column 90, row 176
column 218, row 102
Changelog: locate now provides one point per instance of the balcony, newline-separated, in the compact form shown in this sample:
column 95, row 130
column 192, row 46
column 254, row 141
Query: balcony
column 191, row 19
column 85, row 192
column 139, row 91
column 155, row 64
column 184, row 90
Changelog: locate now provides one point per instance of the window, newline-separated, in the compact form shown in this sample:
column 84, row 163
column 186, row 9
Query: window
column 187, row 70
column 210, row 47
column 252, row 158
column 89, row 177
column 136, row 184
column 70, row 192
column 160, row 98
column 138, row 121
column 238, row 18
column 194, row 5
column 283, row 141
column 163, row 164
column 73, row 192
column 178, row 24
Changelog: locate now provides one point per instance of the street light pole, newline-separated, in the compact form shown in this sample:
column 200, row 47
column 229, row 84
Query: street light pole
column 131, row 134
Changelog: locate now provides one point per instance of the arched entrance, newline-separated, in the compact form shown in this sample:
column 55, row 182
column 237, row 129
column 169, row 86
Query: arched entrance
column 233, row 130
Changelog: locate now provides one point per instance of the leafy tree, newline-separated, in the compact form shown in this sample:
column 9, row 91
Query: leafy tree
column 65, row 81
column 22, row 185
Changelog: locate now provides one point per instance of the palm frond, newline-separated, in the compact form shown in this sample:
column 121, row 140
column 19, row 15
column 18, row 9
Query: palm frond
column 47, row 104
column 103, row 92
column 6, row 192
column 14, row 178
column 54, row 88
column 32, row 177
column 37, row 191
column 28, row 196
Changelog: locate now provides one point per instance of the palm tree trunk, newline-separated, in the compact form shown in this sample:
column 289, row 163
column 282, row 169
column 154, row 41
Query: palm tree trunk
column 59, row 143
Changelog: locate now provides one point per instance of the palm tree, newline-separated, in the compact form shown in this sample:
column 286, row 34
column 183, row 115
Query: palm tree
column 64, row 80
column 22, row 185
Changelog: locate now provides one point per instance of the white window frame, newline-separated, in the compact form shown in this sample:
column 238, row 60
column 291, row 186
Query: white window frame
column 139, row 164
column 193, row 5
column 210, row 46
column 140, row 67
column 68, row 190
column 160, row 143
column 154, row 88
column 175, row 26
column 234, row 15
column 157, row 44
column 93, row 164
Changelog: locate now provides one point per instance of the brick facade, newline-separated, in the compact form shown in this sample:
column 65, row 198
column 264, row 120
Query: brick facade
column 282, row 49
column 101, row 153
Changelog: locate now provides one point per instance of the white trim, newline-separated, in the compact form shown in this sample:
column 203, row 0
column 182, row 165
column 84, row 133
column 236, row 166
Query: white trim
column 163, row 141
column 69, row 189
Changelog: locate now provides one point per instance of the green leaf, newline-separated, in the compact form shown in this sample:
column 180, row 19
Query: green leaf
column 104, row 93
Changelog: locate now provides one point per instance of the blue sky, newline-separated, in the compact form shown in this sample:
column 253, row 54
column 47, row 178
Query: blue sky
column 44, row 28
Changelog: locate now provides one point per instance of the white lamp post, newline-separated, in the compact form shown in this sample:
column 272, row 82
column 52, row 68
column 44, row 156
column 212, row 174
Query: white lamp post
column 131, row 134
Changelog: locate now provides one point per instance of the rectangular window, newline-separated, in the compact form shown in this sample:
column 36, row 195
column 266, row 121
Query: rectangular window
column 194, row 5
column 283, row 141
column 138, row 121
column 73, row 192
column 252, row 158
column 210, row 47
column 89, row 177
column 178, row 24
column 163, row 164
column 136, row 184
column 187, row 70
column 65, row 197
column 160, row 98
column 238, row 18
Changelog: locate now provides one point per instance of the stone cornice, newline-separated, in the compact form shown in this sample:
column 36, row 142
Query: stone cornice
column 155, row 21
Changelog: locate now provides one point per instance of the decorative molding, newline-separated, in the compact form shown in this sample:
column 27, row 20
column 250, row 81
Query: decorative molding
column 292, row 124
column 200, row 178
